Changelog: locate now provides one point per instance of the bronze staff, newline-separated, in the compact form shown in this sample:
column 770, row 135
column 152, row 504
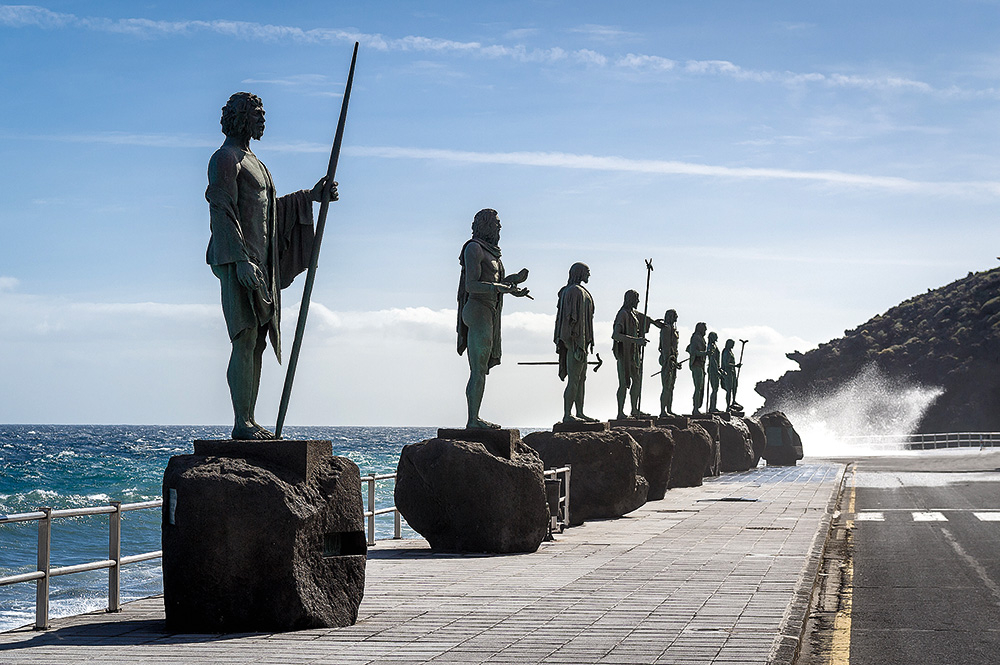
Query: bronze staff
column 314, row 259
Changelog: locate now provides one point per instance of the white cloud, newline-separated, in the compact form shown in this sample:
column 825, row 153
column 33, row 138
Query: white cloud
column 25, row 16
column 8, row 283
column 668, row 167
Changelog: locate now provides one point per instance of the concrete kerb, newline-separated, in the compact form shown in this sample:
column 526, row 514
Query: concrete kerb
column 793, row 625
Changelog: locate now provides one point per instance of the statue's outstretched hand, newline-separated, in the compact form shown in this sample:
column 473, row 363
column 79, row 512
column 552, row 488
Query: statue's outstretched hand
column 317, row 191
column 517, row 277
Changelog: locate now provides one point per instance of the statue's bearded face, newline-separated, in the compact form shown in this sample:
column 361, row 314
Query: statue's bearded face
column 255, row 121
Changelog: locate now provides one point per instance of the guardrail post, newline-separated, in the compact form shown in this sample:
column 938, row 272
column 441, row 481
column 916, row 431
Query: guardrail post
column 371, row 510
column 115, row 554
column 42, row 585
column 398, row 526
column 569, row 467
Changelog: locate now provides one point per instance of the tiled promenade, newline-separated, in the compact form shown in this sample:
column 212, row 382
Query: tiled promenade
column 689, row 579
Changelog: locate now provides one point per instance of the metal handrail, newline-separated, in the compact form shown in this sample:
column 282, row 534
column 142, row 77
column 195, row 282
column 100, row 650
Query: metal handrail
column 113, row 563
column 565, row 471
column 115, row 560
column 372, row 512
column 930, row 441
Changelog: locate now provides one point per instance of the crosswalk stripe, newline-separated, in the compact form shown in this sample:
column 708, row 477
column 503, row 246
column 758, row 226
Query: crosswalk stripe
column 869, row 517
column 988, row 517
column 929, row 517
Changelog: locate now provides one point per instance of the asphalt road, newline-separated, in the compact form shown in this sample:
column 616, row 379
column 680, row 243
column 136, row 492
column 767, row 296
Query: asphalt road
column 926, row 559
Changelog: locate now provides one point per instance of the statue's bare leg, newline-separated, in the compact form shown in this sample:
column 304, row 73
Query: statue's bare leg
column 243, row 376
column 623, row 382
column 258, row 355
column 635, row 392
column 480, row 347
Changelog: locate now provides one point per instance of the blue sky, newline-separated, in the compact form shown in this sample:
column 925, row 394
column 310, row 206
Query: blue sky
column 791, row 168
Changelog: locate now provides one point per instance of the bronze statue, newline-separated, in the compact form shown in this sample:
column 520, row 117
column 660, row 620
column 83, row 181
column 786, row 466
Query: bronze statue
column 697, row 350
column 669, row 339
column 259, row 244
column 628, row 337
column 480, row 300
column 574, row 338
column 729, row 375
column 713, row 372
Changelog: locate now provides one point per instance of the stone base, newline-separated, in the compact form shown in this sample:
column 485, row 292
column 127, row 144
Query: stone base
column 254, row 542
column 462, row 497
column 680, row 422
column 303, row 457
column 580, row 427
column 499, row 442
column 631, row 422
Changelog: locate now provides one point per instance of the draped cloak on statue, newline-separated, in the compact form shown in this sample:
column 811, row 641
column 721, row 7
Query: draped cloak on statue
column 250, row 224
column 492, row 301
column 574, row 323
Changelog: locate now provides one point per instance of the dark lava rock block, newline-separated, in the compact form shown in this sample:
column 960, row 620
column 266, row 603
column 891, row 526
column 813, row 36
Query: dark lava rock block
column 254, row 547
column 735, row 446
column 692, row 453
column 657, row 447
column 710, row 423
column 757, row 438
column 462, row 498
column 784, row 447
column 606, row 481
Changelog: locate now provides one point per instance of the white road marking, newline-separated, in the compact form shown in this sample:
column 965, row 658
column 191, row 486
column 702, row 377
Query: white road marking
column 975, row 565
column 929, row 517
column 870, row 517
column 988, row 517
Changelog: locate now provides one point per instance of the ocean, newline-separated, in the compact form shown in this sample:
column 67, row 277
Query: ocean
column 75, row 466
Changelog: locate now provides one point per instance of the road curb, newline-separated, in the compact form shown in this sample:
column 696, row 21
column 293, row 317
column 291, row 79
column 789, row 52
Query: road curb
column 786, row 645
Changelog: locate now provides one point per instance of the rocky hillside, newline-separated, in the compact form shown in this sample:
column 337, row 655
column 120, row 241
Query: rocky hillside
column 948, row 338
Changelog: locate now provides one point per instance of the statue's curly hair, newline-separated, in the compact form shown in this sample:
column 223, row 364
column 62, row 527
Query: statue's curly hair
column 236, row 114
column 480, row 223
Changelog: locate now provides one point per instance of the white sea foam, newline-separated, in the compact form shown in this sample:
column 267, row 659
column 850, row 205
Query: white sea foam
column 867, row 415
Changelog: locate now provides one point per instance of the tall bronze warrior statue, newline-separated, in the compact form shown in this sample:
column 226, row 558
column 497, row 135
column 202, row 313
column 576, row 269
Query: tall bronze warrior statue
column 669, row 339
column 628, row 337
column 728, row 374
column 480, row 300
column 697, row 349
column 713, row 372
column 574, row 338
column 259, row 244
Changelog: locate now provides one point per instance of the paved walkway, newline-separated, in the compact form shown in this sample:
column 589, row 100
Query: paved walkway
column 713, row 574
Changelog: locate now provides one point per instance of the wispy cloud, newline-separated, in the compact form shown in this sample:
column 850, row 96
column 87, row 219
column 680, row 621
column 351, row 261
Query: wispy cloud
column 667, row 167
column 604, row 33
column 30, row 16
column 8, row 283
column 565, row 160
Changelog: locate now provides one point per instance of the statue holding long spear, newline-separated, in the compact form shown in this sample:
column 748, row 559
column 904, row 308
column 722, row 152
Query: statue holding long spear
column 259, row 243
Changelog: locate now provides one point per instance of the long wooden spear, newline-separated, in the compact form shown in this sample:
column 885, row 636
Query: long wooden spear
column 642, row 333
column 324, row 205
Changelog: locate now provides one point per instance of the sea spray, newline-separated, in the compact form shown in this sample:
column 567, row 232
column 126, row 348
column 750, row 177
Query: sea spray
column 867, row 415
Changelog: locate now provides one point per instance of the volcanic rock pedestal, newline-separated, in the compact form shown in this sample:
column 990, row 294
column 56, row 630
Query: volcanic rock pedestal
column 692, row 453
column 784, row 447
column 606, row 479
column 473, row 490
column 735, row 446
column 262, row 536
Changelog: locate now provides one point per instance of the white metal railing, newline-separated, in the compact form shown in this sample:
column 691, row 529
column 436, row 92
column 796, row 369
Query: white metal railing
column 115, row 560
column 113, row 563
column 371, row 478
column 928, row 441
column 554, row 473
